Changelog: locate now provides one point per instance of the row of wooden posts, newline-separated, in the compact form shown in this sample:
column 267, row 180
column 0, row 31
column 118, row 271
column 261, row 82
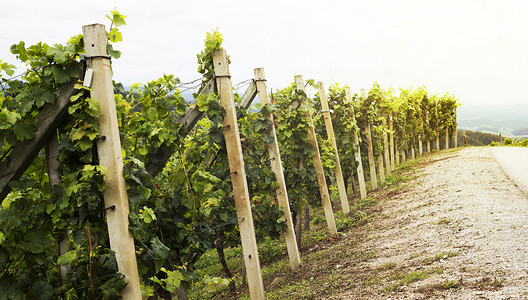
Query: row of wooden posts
column 110, row 156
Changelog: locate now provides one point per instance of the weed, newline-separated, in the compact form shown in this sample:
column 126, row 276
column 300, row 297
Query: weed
column 445, row 255
column 414, row 276
column 386, row 266
column 391, row 287
column 488, row 283
column 318, row 220
column 367, row 202
column 451, row 284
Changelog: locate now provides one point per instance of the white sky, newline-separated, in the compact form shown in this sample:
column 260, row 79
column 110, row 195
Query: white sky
column 477, row 50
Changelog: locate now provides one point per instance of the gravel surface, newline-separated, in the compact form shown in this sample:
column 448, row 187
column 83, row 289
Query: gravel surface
column 460, row 226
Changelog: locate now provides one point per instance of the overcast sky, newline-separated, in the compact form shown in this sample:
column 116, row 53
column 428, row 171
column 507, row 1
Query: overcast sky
column 477, row 50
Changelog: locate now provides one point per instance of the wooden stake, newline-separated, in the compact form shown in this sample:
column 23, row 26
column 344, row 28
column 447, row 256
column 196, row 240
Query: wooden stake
column 397, row 153
column 391, row 130
column 238, row 175
column 372, row 163
column 331, row 137
column 412, row 151
column 447, row 138
column 455, row 132
column 357, row 153
column 381, row 168
column 110, row 156
column 437, row 138
column 276, row 166
column 318, row 165
column 428, row 145
column 387, row 155
column 403, row 156
column 420, row 145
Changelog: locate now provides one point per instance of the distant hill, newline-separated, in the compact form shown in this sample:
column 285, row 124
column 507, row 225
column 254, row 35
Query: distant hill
column 511, row 121
column 475, row 138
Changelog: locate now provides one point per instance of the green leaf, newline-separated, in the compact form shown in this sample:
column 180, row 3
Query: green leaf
column 173, row 280
column 24, row 131
column 35, row 241
column 67, row 258
column 159, row 249
column 58, row 52
column 113, row 53
column 152, row 114
column 116, row 18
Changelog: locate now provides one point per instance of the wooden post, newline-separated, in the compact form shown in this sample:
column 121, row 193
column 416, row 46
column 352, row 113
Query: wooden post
column 381, row 168
column 318, row 165
column 437, row 138
column 403, row 156
column 427, row 126
column 372, row 164
column 455, row 132
column 387, row 155
column 420, row 145
column 397, row 153
column 447, row 138
column 276, row 166
column 428, row 145
column 238, row 175
column 110, row 156
column 357, row 153
column 412, row 151
column 331, row 137
column 391, row 140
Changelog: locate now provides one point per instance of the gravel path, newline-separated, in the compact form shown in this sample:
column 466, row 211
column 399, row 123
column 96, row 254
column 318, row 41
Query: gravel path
column 460, row 227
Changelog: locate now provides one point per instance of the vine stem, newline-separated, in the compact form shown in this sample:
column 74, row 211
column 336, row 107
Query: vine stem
column 90, row 259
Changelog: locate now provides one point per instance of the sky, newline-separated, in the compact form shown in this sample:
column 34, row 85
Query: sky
column 477, row 50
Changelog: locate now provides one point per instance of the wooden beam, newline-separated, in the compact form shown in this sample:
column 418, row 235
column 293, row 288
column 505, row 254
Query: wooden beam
column 318, row 165
column 238, row 175
column 276, row 167
column 249, row 95
column 110, row 156
column 46, row 123
column 331, row 137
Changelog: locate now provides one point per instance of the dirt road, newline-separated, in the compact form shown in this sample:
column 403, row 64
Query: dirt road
column 458, row 230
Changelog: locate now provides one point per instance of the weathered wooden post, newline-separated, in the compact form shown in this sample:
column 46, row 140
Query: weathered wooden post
column 420, row 145
column 276, row 166
column 372, row 164
column 109, row 152
column 397, row 153
column 238, row 175
column 455, row 132
column 381, row 168
column 357, row 153
column 323, row 188
column 387, row 155
column 447, row 137
column 331, row 137
column 391, row 139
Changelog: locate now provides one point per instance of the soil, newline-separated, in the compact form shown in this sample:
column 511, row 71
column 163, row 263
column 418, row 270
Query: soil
column 457, row 230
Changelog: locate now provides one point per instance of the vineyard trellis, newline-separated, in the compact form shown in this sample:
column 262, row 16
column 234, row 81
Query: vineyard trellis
column 135, row 193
